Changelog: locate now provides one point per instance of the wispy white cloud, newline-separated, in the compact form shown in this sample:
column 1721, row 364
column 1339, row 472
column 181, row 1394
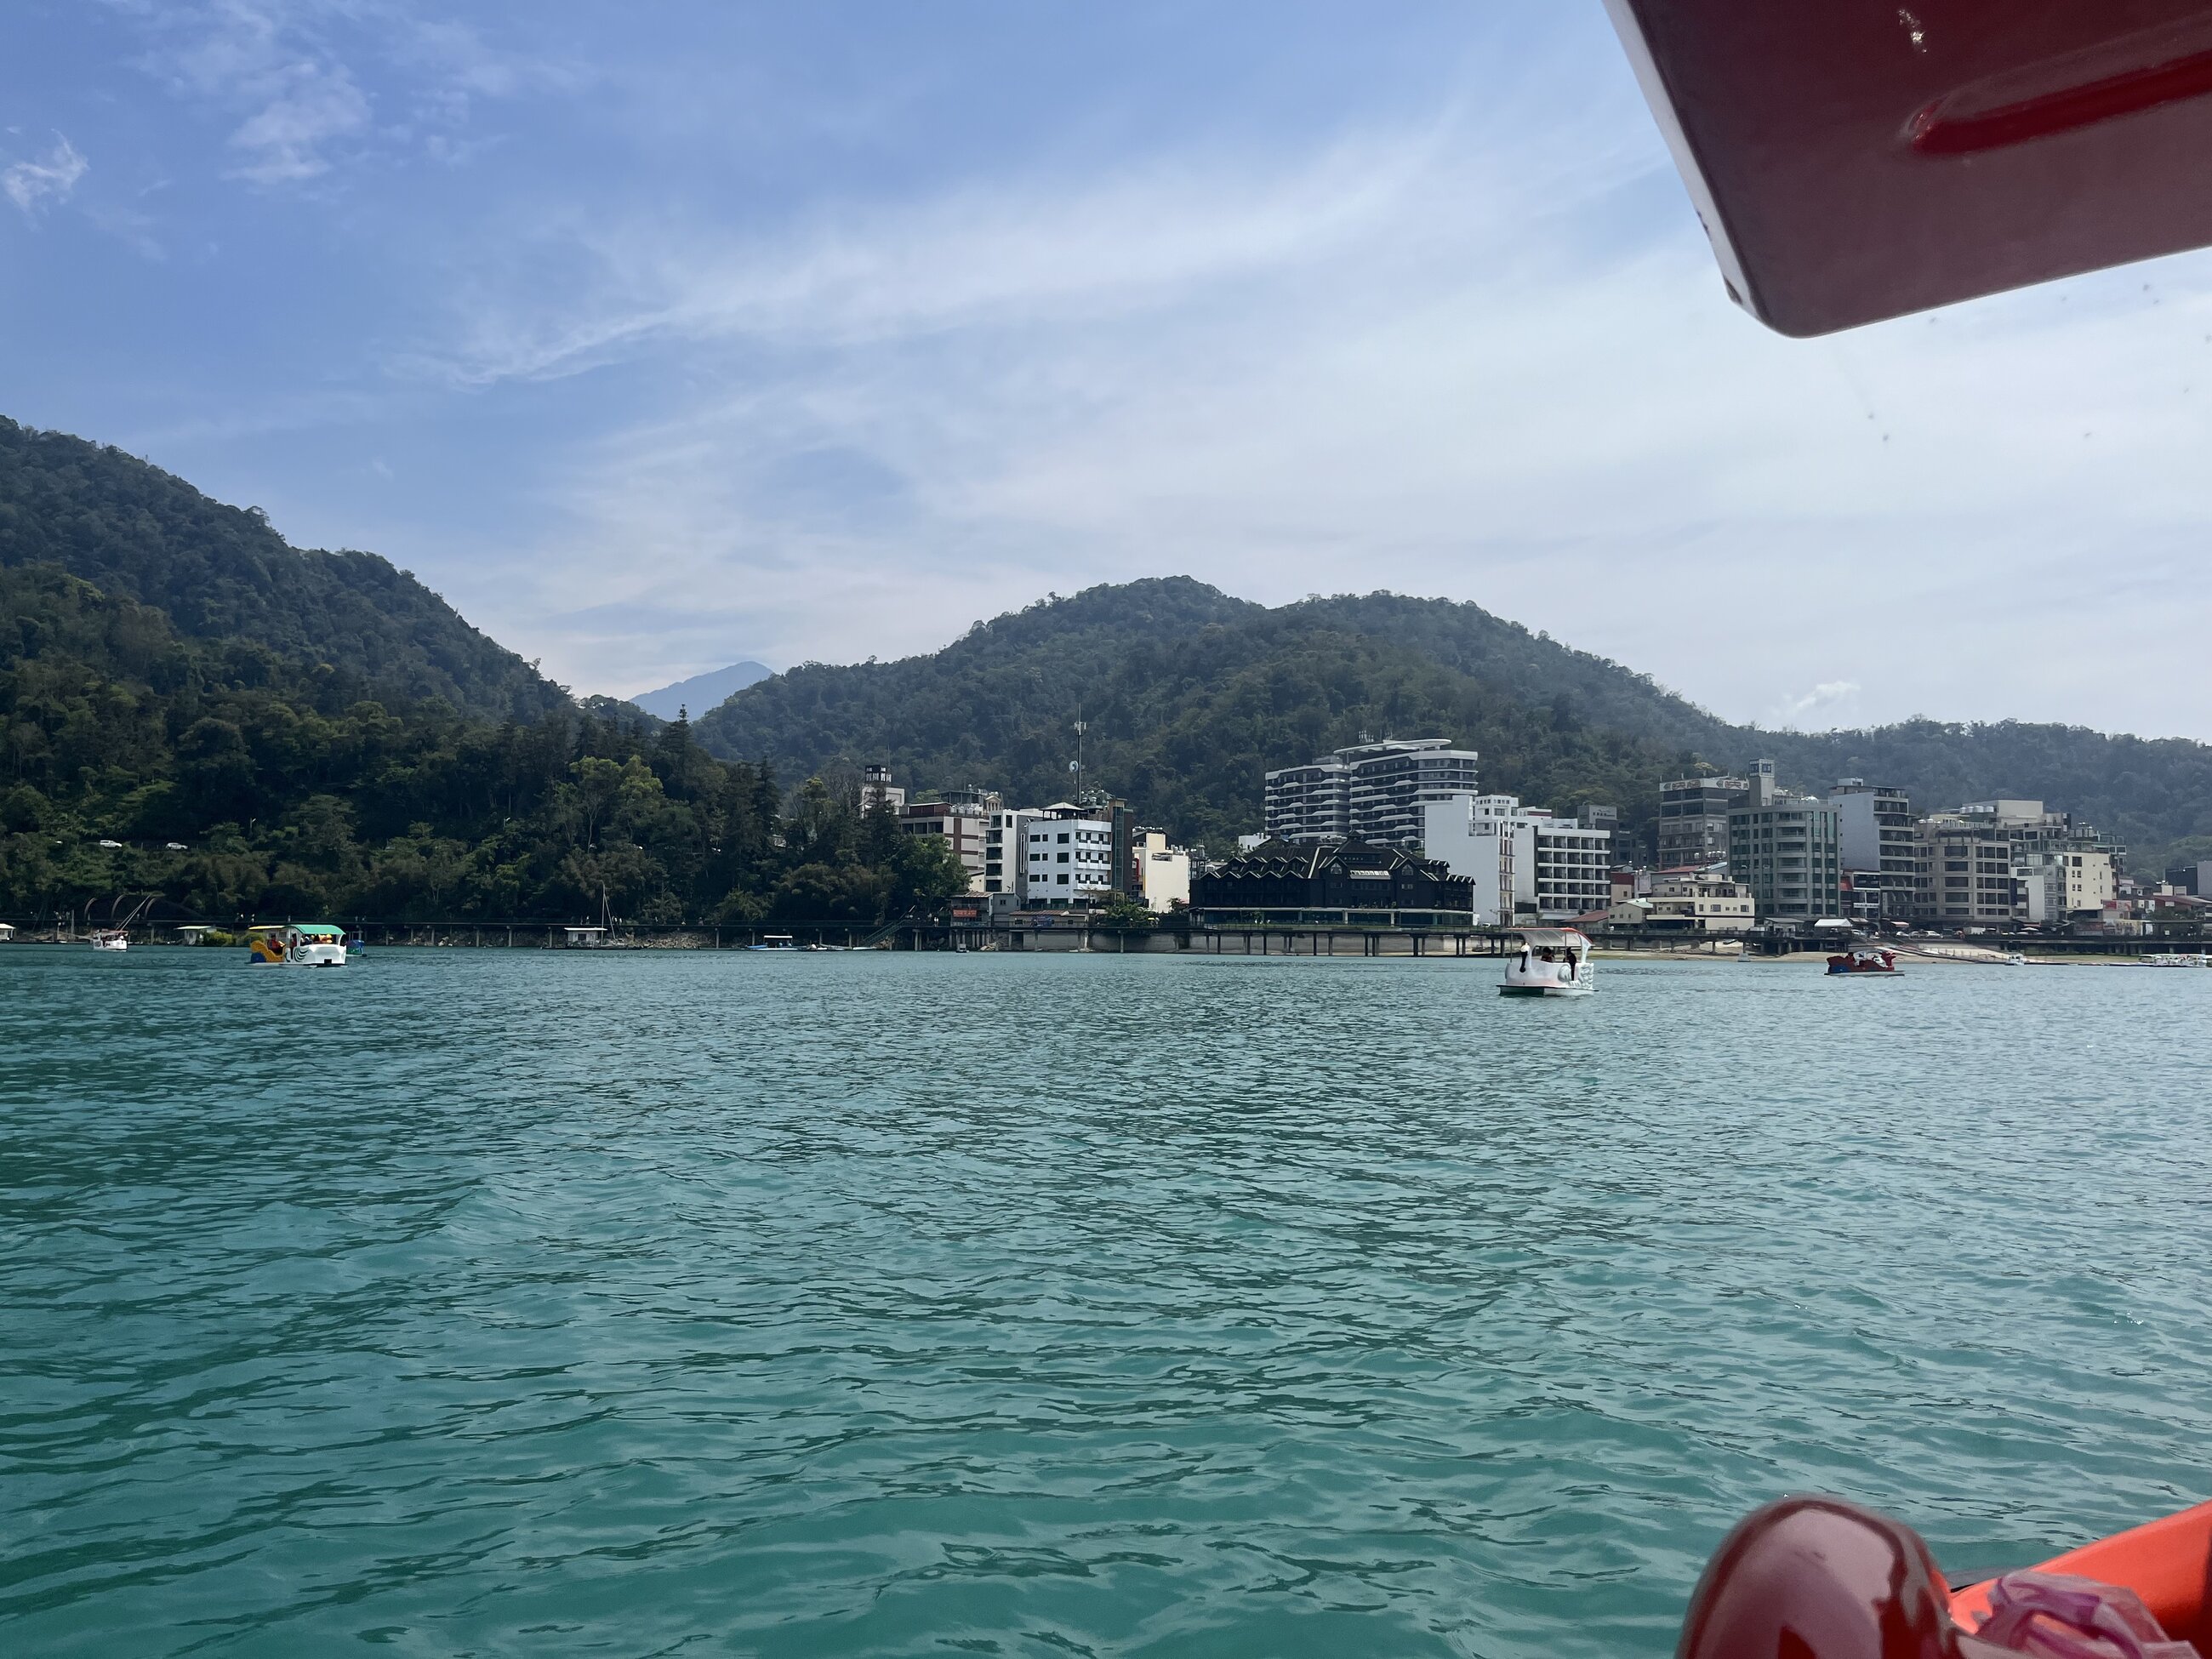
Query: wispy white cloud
column 297, row 75
column 310, row 107
column 1018, row 255
column 1424, row 361
column 1836, row 698
column 34, row 185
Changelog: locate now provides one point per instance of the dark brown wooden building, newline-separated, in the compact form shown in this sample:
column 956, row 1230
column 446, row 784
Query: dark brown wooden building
column 1350, row 883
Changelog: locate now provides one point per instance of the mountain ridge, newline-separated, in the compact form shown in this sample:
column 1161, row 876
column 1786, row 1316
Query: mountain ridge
column 1191, row 694
column 139, row 534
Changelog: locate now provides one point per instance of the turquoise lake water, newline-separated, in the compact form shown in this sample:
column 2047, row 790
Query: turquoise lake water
column 540, row 1303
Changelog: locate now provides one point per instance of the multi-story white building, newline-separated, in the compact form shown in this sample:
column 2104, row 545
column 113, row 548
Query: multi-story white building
column 877, row 789
column 1377, row 792
column 1163, row 873
column 1977, row 864
column 1699, row 902
column 1069, row 857
column 1005, row 845
column 1523, row 861
column 1307, row 802
column 2064, row 884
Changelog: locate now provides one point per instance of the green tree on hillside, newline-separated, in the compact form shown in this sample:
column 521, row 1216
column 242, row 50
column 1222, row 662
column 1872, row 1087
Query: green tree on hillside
column 287, row 796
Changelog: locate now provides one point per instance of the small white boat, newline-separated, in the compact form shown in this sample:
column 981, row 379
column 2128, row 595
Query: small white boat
column 307, row 944
column 774, row 942
column 116, row 940
column 2171, row 960
column 1553, row 962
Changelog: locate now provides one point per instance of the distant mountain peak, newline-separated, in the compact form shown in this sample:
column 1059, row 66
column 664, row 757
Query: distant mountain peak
column 701, row 691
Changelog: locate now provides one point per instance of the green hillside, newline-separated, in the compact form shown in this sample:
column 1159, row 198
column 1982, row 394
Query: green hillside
column 1192, row 695
column 218, row 572
column 234, row 783
column 184, row 610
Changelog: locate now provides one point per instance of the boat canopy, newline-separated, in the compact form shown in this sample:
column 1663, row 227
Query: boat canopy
column 1548, row 938
column 318, row 930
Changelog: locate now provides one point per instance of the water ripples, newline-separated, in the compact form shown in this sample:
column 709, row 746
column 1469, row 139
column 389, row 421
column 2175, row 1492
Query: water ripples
column 536, row 1303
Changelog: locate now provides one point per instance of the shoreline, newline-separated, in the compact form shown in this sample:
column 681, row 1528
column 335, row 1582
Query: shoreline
column 1939, row 959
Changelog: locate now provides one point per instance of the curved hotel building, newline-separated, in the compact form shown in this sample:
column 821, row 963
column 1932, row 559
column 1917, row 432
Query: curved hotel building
column 1376, row 792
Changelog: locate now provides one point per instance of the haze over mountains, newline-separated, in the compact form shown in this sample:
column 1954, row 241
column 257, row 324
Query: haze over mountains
column 701, row 691
column 1189, row 693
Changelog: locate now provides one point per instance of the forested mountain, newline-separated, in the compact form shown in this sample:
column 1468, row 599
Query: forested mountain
column 218, row 572
column 237, row 784
column 319, row 732
column 1191, row 696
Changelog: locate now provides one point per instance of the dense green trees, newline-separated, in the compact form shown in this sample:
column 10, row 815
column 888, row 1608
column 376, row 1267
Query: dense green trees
column 220, row 573
column 1191, row 696
column 235, row 782
column 204, row 683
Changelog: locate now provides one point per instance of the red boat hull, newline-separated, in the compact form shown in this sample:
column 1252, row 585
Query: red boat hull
column 2167, row 1563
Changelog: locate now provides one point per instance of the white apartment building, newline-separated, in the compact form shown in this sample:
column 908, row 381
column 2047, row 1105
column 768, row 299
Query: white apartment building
column 1524, row 863
column 1307, row 802
column 1699, row 902
column 1375, row 791
column 1977, row 864
column 1006, row 845
column 1162, row 874
column 1069, row 858
column 877, row 789
column 2064, row 884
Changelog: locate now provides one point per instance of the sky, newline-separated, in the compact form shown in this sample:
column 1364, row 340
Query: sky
column 661, row 336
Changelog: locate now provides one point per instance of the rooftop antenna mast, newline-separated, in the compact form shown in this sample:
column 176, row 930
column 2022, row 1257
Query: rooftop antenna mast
column 1081, row 726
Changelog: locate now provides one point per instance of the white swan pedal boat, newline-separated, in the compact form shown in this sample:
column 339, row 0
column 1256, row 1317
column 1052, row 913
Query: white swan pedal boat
column 307, row 944
column 1553, row 962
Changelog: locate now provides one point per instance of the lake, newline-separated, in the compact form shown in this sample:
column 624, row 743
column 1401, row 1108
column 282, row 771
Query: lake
column 549, row 1304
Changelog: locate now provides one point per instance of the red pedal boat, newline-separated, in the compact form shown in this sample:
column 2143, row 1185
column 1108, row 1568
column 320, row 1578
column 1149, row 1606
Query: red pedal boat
column 1864, row 962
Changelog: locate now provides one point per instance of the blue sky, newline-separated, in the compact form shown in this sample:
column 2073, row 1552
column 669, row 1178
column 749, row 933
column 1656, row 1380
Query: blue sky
column 661, row 336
